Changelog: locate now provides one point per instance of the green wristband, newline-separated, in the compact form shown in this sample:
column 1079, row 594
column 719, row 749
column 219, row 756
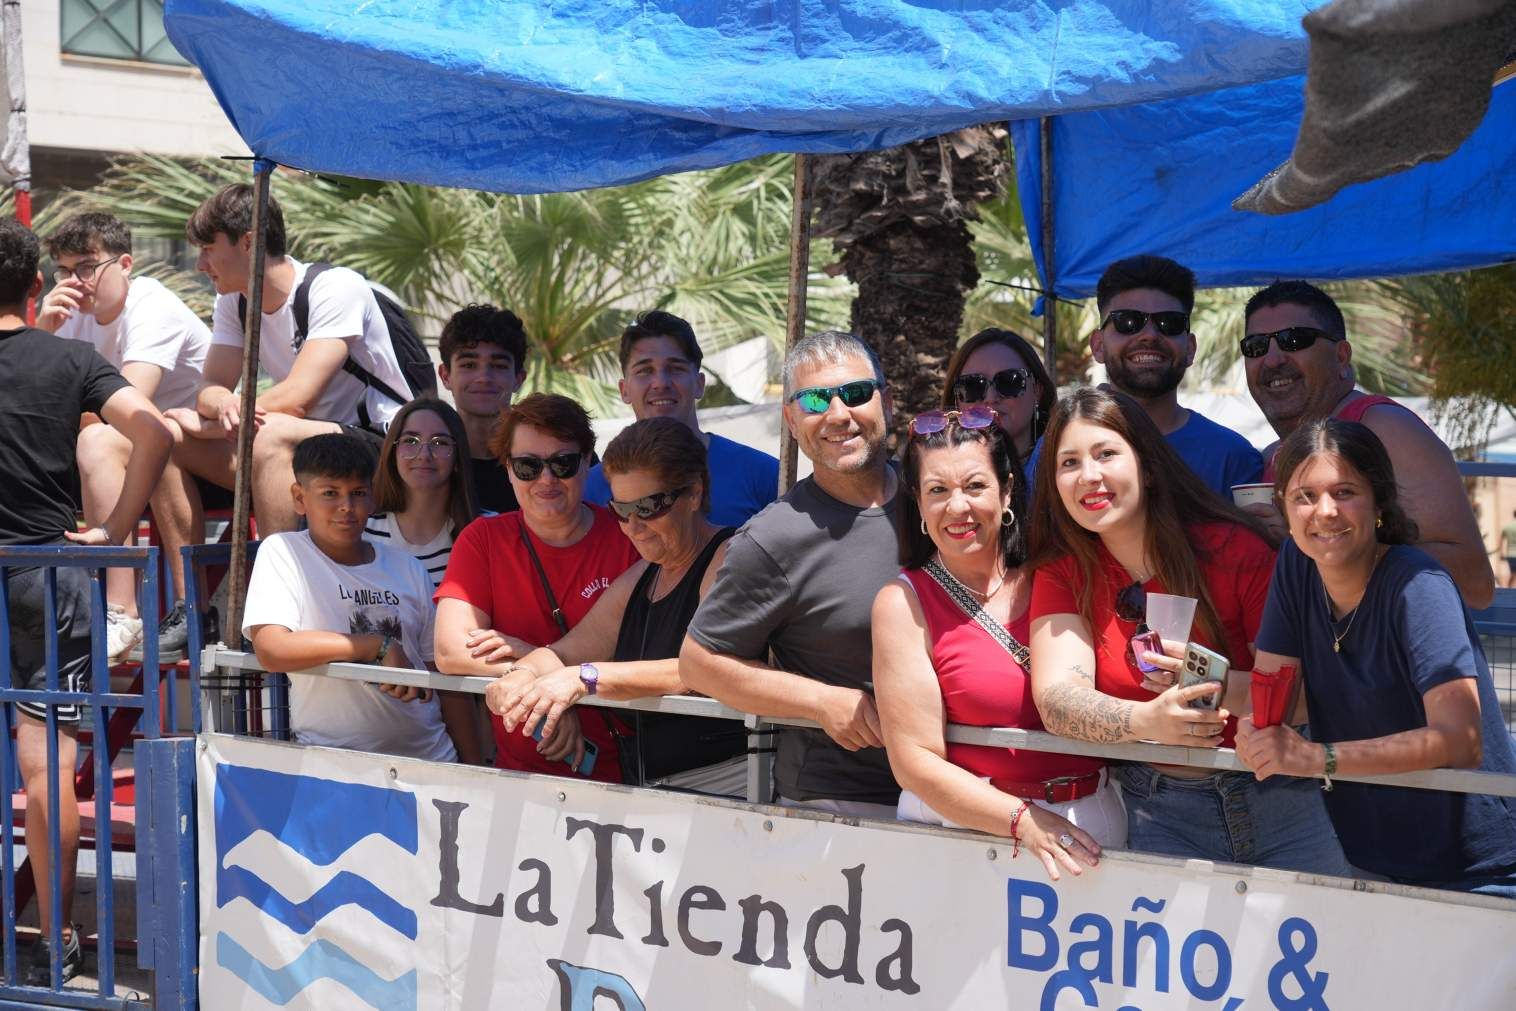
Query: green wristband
column 1330, row 768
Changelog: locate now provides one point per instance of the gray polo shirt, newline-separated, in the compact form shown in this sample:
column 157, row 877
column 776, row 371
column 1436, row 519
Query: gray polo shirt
column 800, row 579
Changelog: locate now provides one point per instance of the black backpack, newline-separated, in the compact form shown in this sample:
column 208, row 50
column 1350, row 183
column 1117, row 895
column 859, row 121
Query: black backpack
column 415, row 364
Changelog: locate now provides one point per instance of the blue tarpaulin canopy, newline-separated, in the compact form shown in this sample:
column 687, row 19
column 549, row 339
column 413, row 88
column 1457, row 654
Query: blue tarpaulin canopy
column 1165, row 112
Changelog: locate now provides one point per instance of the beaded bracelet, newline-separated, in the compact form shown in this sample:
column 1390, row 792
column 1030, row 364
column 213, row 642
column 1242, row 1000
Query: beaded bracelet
column 1016, row 839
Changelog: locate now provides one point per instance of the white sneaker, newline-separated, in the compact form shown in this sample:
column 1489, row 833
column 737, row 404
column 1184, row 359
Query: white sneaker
column 121, row 632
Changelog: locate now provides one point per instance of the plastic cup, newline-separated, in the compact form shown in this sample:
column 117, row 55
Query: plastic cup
column 1244, row 495
column 1171, row 616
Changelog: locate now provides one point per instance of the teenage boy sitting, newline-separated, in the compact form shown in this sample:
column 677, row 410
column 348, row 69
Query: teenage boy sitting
column 483, row 352
column 326, row 595
column 159, row 346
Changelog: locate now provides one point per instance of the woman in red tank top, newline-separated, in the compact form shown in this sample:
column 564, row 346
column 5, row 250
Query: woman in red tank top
column 949, row 647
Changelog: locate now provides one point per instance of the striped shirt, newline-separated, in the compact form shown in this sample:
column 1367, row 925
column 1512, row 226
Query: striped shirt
column 383, row 529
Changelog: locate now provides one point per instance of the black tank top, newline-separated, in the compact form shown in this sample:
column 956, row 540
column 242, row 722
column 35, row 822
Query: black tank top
column 654, row 630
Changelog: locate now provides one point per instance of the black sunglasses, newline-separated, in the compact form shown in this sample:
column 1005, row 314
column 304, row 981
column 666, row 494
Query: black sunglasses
column 1132, row 603
column 1130, row 321
column 1008, row 384
column 1291, row 338
column 818, row 399
column 529, row 468
column 648, row 507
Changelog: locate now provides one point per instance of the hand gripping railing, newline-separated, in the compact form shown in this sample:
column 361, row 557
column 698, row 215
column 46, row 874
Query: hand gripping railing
column 1215, row 759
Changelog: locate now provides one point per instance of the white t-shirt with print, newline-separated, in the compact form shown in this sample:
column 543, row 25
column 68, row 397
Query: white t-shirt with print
column 296, row 585
column 342, row 307
column 157, row 328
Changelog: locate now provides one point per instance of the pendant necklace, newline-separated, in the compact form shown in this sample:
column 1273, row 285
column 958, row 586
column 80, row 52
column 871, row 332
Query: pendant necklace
column 1353, row 615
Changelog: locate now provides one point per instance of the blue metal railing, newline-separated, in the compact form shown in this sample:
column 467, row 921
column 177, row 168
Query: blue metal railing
column 157, row 796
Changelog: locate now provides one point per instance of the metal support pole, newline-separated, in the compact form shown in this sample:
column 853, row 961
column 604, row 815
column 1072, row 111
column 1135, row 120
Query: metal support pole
column 794, row 328
column 231, row 632
column 1050, row 303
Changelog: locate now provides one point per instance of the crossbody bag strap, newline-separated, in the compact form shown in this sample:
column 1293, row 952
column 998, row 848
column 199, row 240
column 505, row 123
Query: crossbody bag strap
column 973, row 609
column 547, row 587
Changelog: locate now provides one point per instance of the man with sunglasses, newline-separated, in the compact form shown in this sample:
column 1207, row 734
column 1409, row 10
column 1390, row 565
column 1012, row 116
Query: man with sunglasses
column 799, row 582
column 159, row 346
column 661, row 378
column 1145, row 343
column 1299, row 365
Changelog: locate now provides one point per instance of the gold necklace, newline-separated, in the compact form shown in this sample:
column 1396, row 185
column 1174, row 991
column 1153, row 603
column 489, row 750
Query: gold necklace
column 986, row 595
column 1352, row 617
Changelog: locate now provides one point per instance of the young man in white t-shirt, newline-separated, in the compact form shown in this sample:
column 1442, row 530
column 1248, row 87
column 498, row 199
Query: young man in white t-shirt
column 159, row 346
column 326, row 595
column 311, row 393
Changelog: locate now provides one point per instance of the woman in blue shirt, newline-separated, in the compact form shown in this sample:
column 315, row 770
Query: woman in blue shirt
column 1395, row 678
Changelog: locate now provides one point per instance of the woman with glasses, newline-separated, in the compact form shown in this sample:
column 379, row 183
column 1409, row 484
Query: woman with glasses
column 949, row 647
column 425, row 498
column 627, row 647
column 1395, row 678
column 1126, row 518
column 1001, row 370
column 523, row 579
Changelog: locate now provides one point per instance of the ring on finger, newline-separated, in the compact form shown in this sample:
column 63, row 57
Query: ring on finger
column 1065, row 840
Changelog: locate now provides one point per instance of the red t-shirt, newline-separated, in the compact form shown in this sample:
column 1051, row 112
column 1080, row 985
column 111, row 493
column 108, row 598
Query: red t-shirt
column 491, row 569
column 983, row 686
column 1237, row 565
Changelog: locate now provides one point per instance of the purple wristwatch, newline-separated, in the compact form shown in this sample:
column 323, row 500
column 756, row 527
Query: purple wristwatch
column 589, row 675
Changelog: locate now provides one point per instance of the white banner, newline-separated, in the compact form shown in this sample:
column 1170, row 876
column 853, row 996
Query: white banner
column 333, row 879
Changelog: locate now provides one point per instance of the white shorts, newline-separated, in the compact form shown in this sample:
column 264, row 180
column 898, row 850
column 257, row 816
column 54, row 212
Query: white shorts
column 1101, row 814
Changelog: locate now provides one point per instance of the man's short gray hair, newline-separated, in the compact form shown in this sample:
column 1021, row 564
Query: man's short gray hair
column 829, row 347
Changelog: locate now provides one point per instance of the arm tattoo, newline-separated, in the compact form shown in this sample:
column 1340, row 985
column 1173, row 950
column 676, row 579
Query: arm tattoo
column 1082, row 712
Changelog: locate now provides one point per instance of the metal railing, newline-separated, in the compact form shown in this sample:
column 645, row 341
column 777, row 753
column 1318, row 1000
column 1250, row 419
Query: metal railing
column 162, row 803
column 1213, row 759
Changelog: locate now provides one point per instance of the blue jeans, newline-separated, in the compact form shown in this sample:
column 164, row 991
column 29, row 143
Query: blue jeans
column 1233, row 818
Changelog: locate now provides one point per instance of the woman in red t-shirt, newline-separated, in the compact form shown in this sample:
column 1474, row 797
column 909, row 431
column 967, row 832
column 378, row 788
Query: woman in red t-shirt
column 948, row 648
column 523, row 579
column 1125, row 517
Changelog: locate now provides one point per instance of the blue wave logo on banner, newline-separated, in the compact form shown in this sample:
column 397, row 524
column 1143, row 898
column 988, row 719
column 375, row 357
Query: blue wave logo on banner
column 320, row 820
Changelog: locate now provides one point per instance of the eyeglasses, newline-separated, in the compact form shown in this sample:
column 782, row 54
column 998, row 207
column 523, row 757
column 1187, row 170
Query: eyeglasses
column 1132, row 603
column 648, row 507
column 84, row 271
column 529, row 468
column 932, row 422
column 818, row 399
column 1008, row 384
column 1130, row 321
column 1292, row 338
column 410, row 446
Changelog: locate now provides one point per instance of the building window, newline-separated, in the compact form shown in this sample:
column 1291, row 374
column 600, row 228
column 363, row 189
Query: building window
column 118, row 30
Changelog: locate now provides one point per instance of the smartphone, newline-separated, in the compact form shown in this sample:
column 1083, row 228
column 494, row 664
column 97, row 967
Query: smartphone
column 1204, row 666
column 586, row 766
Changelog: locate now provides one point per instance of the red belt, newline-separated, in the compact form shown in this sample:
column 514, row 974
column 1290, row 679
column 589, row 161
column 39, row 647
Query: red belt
column 1058, row 790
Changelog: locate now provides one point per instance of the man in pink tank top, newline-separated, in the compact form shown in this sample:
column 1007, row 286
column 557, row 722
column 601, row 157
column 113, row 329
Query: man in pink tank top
column 1299, row 366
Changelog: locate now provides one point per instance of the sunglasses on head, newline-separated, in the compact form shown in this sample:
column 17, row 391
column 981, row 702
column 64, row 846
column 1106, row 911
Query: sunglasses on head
column 648, row 507
column 1291, row 338
column 818, row 399
column 931, row 422
column 529, row 468
column 1008, row 384
column 1131, row 321
column 1132, row 603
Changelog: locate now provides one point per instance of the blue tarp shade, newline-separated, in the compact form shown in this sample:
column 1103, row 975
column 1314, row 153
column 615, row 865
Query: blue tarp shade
column 524, row 97
column 1161, row 177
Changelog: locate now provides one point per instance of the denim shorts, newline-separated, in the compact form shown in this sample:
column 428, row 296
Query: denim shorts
column 1231, row 817
column 28, row 647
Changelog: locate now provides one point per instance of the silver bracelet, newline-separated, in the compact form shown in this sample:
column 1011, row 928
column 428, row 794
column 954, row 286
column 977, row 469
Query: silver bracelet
column 108, row 539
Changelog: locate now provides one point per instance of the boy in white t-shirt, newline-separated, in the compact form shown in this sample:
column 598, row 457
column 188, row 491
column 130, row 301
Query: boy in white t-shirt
column 326, row 595
column 312, row 393
column 159, row 346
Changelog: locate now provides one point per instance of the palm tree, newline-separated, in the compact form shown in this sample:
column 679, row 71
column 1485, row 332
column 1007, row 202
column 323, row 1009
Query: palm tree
column 900, row 221
column 711, row 246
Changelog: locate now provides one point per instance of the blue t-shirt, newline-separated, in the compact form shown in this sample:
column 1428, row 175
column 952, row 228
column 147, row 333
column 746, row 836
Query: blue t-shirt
column 1411, row 634
column 743, row 481
column 1217, row 454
